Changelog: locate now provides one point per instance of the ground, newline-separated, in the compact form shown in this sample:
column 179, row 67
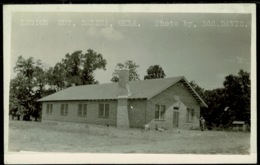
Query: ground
column 66, row 137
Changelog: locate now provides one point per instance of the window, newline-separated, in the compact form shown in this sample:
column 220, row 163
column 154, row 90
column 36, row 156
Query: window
column 103, row 110
column 82, row 112
column 190, row 115
column 159, row 112
column 64, row 109
column 49, row 109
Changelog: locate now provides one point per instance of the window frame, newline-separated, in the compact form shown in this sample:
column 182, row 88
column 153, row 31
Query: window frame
column 161, row 110
column 83, row 111
column 190, row 114
column 64, row 109
column 105, row 110
column 49, row 109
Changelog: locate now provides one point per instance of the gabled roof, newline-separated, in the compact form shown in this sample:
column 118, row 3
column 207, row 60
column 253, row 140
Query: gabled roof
column 143, row 89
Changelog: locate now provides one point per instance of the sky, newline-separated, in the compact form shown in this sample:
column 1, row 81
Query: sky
column 203, row 47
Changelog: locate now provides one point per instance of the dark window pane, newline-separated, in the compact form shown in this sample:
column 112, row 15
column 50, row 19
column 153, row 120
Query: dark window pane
column 47, row 108
column 85, row 110
column 79, row 112
column 62, row 109
column 106, row 110
column 80, row 106
column 192, row 114
column 187, row 114
column 162, row 112
column 51, row 106
column 80, row 109
column 101, row 110
column 85, row 106
column 157, row 107
column 157, row 112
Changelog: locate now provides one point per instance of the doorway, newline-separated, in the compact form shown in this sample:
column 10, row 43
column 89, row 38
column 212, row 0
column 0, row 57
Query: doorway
column 175, row 119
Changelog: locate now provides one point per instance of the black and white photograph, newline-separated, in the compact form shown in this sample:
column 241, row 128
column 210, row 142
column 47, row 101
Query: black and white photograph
column 130, row 83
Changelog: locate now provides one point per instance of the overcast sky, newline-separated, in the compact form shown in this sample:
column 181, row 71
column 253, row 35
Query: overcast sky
column 205, row 54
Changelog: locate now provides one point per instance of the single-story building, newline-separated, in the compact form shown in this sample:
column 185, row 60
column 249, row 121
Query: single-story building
column 168, row 103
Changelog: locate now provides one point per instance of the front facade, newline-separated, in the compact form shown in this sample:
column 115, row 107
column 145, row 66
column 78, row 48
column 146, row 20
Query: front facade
column 173, row 107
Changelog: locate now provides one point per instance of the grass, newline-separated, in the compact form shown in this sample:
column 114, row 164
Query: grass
column 67, row 137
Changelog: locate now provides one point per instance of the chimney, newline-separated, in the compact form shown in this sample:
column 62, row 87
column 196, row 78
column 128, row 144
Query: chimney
column 123, row 84
column 122, row 96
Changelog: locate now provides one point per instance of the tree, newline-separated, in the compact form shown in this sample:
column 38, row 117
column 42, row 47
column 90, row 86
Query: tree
column 132, row 66
column 215, row 99
column 237, row 92
column 230, row 103
column 57, row 77
column 33, row 81
column 154, row 72
column 92, row 62
column 27, row 87
column 78, row 68
column 198, row 89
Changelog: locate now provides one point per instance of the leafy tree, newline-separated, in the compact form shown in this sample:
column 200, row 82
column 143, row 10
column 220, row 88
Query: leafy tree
column 27, row 87
column 56, row 77
column 92, row 62
column 77, row 68
column 34, row 82
column 237, row 92
column 132, row 66
column 230, row 103
column 215, row 99
column 154, row 72
column 198, row 89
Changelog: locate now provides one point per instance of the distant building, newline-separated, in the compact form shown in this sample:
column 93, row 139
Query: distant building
column 168, row 103
column 239, row 126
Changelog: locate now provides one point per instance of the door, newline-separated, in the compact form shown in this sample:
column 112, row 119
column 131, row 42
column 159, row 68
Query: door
column 175, row 119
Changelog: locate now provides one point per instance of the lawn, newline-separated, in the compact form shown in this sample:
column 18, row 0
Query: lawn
column 67, row 137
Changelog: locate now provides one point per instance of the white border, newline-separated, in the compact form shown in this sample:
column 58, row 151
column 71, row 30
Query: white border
column 46, row 158
column 144, row 8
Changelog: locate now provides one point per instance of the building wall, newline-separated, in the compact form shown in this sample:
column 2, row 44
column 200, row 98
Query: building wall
column 140, row 112
column 136, row 113
column 173, row 96
column 92, row 112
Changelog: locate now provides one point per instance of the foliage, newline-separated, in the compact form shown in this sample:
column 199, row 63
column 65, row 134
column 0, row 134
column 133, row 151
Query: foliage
column 76, row 68
column 33, row 82
column 198, row 89
column 56, row 77
column 132, row 66
column 27, row 87
column 154, row 71
column 237, row 92
column 227, row 104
